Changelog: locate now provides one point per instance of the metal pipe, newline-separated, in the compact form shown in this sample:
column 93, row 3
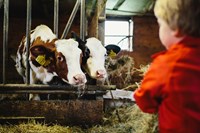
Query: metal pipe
column 23, row 88
column 52, row 87
column 129, row 33
column 28, row 29
column 5, row 37
column 56, row 14
column 82, row 20
column 71, row 18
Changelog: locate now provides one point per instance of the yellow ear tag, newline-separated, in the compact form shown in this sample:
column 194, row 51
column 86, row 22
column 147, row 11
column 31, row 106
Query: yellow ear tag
column 42, row 61
column 112, row 54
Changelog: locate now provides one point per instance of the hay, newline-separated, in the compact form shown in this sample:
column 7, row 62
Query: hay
column 123, row 74
column 132, row 121
column 34, row 127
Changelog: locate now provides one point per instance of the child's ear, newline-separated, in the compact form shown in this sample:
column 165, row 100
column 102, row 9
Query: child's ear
column 177, row 33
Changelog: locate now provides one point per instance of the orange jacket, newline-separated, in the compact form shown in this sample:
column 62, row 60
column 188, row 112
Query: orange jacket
column 171, row 87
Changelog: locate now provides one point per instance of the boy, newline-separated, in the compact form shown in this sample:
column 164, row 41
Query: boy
column 171, row 87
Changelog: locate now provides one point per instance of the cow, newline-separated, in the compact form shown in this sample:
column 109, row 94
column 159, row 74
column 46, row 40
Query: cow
column 50, row 59
column 93, row 60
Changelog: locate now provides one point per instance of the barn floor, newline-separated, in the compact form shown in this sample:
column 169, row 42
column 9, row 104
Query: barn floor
column 132, row 120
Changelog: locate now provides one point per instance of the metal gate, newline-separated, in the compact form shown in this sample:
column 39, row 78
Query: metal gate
column 78, row 111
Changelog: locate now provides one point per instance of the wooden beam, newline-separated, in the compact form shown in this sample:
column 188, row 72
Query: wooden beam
column 94, row 25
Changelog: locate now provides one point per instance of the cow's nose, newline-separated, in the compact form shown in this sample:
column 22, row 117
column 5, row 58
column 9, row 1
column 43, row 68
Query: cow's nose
column 101, row 73
column 79, row 79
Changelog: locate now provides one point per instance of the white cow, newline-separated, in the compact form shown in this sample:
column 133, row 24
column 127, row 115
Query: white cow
column 50, row 58
column 94, row 55
column 96, row 61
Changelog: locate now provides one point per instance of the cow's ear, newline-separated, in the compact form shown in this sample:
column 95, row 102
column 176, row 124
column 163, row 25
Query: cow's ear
column 42, row 54
column 74, row 36
column 112, row 50
column 78, row 39
column 42, row 49
column 81, row 45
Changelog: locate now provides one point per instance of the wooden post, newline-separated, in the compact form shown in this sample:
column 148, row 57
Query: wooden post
column 96, row 26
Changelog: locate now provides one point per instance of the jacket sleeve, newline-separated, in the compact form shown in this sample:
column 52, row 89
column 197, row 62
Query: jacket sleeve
column 148, row 96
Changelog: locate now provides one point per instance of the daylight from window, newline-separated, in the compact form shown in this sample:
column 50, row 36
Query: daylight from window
column 119, row 33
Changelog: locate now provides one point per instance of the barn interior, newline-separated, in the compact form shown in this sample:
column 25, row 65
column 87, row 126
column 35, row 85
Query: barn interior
column 144, row 39
column 145, row 29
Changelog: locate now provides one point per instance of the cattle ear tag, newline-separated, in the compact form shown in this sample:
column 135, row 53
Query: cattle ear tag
column 112, row 54
column 41, row 59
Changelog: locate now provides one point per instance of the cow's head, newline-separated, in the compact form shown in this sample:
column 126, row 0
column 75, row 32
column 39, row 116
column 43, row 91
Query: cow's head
column 94, row 54
column 61, row 58
column 96, row 61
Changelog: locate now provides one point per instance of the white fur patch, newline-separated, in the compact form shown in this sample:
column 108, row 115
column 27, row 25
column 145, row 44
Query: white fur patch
column 41, row 74
column 96, row 61
column 44, row 32
column 69, row 48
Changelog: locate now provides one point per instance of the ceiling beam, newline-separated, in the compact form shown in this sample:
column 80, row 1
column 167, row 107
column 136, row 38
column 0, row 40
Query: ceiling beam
column 118, row 4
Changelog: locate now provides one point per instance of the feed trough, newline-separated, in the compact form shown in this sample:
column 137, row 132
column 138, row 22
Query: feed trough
column 84, row 110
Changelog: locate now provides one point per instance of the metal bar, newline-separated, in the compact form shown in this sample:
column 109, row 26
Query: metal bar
column 71, row 18
column 82, row 20
column 118, row 36
column 46, row 89
column 51, row 92
column 5, row 37
column 132, row 12
column 118, row 4
column 66, row 90
column 129, row 33
column 28, row 29
column 52, row 87
column 56, row 14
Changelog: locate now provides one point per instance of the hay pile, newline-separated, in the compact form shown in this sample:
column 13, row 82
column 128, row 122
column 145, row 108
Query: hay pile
column 132, row 121
column 123, row 74
column 33, row 127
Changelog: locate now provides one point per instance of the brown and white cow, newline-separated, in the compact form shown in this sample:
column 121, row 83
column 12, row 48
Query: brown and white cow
column 50, row 58
column 94, row 55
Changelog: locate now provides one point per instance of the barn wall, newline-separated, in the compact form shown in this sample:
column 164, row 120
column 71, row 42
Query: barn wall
column 146, row 39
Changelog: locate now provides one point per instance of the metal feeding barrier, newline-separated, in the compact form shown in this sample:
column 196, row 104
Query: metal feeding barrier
column 67, row 111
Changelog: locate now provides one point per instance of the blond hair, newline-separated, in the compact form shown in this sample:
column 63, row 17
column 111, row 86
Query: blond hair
column 183, row 15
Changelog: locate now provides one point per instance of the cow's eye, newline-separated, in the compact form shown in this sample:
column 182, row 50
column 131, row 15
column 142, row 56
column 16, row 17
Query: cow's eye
column 60, row 58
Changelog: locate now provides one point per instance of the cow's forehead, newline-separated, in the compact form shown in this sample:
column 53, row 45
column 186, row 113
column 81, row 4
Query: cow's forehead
column 44, row 32
column 68, row 47
column 95, row 45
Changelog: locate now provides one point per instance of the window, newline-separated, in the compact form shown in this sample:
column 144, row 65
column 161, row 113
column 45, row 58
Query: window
column 119, row 33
